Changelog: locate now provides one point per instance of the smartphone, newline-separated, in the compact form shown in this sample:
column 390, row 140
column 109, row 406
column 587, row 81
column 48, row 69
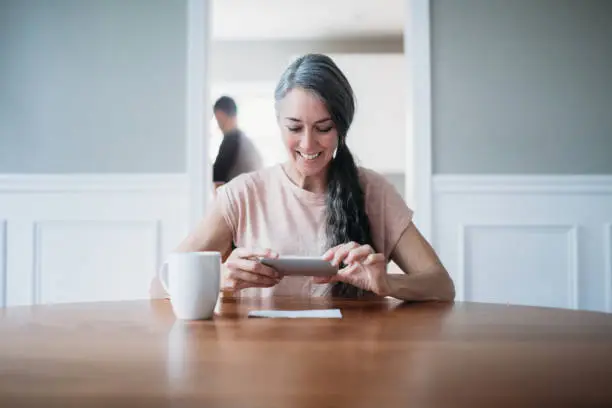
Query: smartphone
column 300, row 266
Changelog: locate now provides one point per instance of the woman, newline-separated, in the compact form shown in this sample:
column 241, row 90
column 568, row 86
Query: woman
column 319, row 203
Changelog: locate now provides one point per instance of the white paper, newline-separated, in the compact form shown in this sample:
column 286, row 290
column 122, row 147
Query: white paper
column 296, row 314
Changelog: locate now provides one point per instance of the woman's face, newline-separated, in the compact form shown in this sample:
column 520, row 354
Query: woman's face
column 308, row 131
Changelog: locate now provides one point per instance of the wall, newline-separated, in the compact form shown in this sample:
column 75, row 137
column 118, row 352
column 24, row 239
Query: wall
column 266, row 60
column 522, row 86
column 70, row 238
column 93, row 130
column 522, row 150
column 92, row 87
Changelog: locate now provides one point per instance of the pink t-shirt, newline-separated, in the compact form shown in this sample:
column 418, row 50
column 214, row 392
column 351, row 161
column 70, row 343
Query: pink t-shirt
column 265, row 209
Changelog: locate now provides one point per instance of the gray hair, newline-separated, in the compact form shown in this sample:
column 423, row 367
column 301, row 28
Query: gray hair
column 317, row 73
column 347, row 219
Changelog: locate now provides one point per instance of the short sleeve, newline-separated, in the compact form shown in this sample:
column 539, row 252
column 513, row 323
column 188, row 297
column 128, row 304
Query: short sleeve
column 388, row 213
column 398, row 217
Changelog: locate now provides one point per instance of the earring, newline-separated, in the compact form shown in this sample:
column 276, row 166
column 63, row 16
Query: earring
column 338, row 145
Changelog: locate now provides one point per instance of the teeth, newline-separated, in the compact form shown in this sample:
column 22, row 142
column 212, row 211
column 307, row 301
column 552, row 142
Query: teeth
column 309, row 156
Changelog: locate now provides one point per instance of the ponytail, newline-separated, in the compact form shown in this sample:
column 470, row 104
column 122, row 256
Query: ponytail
column 346, row 215
column 347, row 219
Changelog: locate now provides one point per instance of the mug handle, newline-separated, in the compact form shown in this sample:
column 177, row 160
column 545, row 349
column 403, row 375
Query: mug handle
column 162, row 274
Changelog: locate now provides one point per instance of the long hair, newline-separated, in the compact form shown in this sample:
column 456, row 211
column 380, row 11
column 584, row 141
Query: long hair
column 346, row 216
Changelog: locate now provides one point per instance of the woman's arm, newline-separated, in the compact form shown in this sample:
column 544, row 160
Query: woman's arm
column 211, row 234
column 425, row 277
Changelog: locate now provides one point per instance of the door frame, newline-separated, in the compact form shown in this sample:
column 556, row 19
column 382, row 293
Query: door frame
column 419, row 166
column 199, row 111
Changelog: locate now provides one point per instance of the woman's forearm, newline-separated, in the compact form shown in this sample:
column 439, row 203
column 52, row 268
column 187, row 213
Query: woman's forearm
column 431, row 285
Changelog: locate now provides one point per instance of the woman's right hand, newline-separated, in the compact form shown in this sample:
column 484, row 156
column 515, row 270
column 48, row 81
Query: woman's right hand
column 246, row 271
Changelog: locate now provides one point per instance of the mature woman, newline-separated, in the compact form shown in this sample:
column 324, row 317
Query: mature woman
column 319, row 203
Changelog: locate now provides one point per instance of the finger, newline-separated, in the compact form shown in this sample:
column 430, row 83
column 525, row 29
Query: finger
column 270, row 253
column 359, row 254
column 252, row 266
column 343, row 252
column 348, row 270
column 346, row 274
column 250, row 277
column 373, row 259
column 255, row 253
column 321, row 279
column 329, row 254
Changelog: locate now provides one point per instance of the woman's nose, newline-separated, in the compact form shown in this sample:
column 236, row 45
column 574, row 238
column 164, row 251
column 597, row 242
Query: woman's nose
column 308, row 140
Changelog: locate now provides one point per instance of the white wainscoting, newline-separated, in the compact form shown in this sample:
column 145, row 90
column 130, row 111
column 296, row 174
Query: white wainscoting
column 531, row 240
column 75, row 238
column 608, row 266
column 3, row 253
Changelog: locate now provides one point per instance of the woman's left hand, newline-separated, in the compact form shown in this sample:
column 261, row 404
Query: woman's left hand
column 364, row 268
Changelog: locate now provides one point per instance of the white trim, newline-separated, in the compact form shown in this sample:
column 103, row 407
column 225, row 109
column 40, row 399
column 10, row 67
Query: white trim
column 199, row 112
column 511, row 184
column 571, row 232
column 419, row 158
column 67, row 183
column 37, row 229
column 608, row 266
column 36, row 265
column 4, row 263
column 460, row 281
column 574, row 262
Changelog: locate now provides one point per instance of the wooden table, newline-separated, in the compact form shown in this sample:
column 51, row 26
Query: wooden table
column 381, row 354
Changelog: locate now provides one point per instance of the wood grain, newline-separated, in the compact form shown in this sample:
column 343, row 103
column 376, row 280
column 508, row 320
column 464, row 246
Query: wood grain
column 381, row 354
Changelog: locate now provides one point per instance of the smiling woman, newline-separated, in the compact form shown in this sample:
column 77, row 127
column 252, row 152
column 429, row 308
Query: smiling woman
column 317, row 99
column 319, row 203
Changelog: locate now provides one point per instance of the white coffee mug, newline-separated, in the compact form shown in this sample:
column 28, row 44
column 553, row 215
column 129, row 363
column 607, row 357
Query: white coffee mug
column 192, row 279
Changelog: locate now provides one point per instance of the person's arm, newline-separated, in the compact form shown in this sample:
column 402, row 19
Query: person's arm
column 424, row 278
column 211, row 234
column 227, row 156
column 241, row 268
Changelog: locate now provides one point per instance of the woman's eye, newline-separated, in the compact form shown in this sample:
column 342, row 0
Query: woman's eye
column 325, row 130
column 294, row 129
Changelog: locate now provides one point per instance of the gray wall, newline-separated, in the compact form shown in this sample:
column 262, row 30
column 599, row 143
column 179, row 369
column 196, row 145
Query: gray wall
column 92, row 86
column 266, row 60
column 99, row 86
column 522, row 86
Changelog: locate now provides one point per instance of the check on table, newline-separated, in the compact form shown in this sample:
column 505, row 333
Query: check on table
column 381, row 353
column 312, row 314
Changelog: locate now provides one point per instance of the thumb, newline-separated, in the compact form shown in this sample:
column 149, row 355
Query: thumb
column 347, row 270
column 345, row 274
column 267, row 253
column 256, row 253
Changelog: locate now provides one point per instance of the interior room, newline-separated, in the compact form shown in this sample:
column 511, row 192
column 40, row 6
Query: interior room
column 490, row 120
column 497, row 137
column 252, row 43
